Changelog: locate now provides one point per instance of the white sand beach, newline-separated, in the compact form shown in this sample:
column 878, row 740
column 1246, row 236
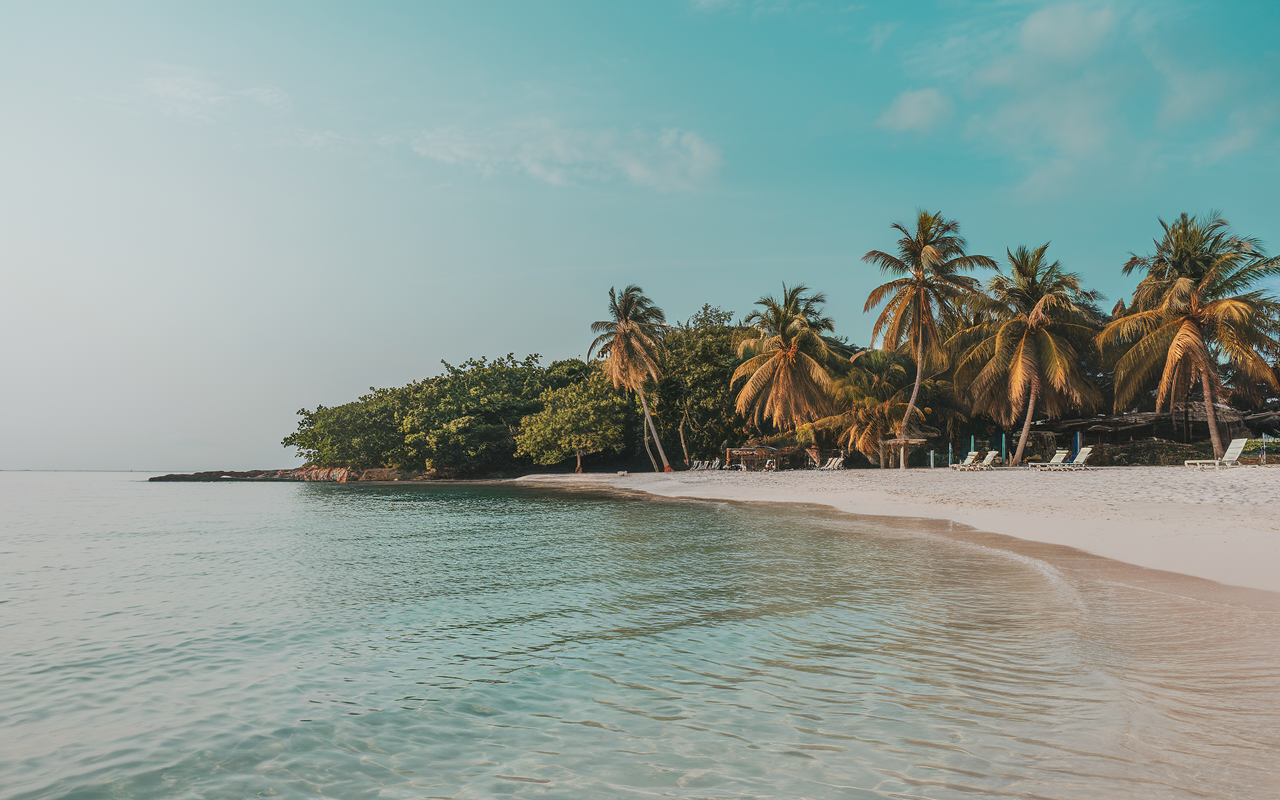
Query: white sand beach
column 1221, row 525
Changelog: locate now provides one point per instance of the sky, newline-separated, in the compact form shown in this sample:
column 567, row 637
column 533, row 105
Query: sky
column 215, row 214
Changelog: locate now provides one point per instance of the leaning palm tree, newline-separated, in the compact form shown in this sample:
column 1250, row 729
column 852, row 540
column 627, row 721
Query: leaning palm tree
column 927, row 286
column 629, row 342
column 1022, row 359
column 786, row 381
column 1194, row 306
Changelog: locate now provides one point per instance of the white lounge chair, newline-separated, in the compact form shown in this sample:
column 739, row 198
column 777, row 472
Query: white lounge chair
column 833, row 463
column 985, row 463
column 968, row 460
column 1074, row 464
column 714, row 464
column 1231, row 458
column 1058, row 457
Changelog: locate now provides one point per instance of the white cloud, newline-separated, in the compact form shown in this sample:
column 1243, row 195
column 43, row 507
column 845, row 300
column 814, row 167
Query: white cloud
column 184, row 93
column 186, row 96
column 917, row 110
column 1068, row 32
column 1248, row 126
column 670, row 160
column 880, row 34
column 267, row 96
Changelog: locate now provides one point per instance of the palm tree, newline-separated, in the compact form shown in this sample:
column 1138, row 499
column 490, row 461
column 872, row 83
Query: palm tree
column 1023, row 360
column 927, row 286
column 1194, row 306
column 875, row 394
column 786, row 380
column 629, row 343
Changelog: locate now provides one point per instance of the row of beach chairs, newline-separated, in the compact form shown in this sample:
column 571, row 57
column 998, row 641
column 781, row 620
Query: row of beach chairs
column 701, row 466
column 1058, row 462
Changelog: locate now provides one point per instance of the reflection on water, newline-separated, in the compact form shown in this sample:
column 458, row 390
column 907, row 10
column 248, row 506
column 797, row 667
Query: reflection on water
column 175, row 641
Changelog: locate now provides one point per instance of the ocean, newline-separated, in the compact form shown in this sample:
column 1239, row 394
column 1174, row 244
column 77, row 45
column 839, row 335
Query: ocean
column 237, row 640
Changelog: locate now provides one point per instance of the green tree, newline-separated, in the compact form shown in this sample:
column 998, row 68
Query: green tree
column 630, row 342
column 699, row 357
column 785, row 379
column 463, row 423
column 1021, row 360
column 1194, row 306
column 576, row 420
column 927, row 285
column 362, row 434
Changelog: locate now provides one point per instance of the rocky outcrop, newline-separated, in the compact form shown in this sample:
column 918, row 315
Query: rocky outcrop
column 336, row 474
column 308, row 473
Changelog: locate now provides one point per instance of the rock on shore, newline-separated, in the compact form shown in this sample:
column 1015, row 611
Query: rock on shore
column 332, row 474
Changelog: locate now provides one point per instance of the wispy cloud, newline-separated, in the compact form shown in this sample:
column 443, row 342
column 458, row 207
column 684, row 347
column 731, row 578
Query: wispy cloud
column 186, row 93
column 880, row 34
column 670, row 160
column 1062, row 87
column 916, row 110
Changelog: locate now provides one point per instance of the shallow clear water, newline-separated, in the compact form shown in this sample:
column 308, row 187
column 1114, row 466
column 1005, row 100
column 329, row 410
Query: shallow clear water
column 288, row 640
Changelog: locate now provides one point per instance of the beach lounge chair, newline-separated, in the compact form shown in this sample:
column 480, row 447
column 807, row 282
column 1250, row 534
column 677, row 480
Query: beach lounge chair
column 1231, row 458
column 714, row 464
column 1076, row 463
column 968, row 460
column 1058, row 457
column 833, row 463
column 985, row 463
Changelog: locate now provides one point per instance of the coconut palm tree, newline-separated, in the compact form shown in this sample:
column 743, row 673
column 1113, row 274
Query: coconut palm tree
column 786, row 381
column 927, row 285
column 874, row 394
column 1195, row 306
column 1022, row 359
column 872, row 399
column 629, row 342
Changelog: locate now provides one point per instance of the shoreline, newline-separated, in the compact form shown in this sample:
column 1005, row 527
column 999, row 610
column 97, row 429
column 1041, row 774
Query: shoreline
column 1211, row 525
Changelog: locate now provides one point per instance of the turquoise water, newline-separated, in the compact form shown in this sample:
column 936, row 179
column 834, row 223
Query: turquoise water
column 294, row 640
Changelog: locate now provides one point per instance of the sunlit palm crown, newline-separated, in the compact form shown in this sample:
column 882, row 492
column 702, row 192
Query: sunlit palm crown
column 785, row 379
column 629, row 342
column 1197, row 299
column 927, row 287
column 1023, row 342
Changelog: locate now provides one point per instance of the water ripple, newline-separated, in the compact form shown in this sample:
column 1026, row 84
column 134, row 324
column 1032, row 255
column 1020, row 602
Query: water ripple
column 196, row 641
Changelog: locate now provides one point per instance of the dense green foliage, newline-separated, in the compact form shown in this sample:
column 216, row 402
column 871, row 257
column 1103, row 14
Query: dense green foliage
column 576, row 420
column 462, row 423
column 960, row 358
column 691, row 403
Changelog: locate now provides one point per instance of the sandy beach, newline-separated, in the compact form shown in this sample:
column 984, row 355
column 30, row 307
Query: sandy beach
column 1220, row 525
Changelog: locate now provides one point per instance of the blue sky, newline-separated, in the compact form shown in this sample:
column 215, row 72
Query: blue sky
column 215, row 214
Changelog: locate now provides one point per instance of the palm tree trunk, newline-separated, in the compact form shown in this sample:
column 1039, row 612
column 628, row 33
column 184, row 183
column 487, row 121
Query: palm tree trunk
column 911, row 404
column 1211, row 412
column 647, row 449
column 666, row 467
column 684, row 447
column 1026, row 423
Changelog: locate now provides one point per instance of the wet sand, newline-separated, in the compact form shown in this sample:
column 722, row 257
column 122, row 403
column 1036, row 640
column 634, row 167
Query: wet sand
column 1219, row 525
